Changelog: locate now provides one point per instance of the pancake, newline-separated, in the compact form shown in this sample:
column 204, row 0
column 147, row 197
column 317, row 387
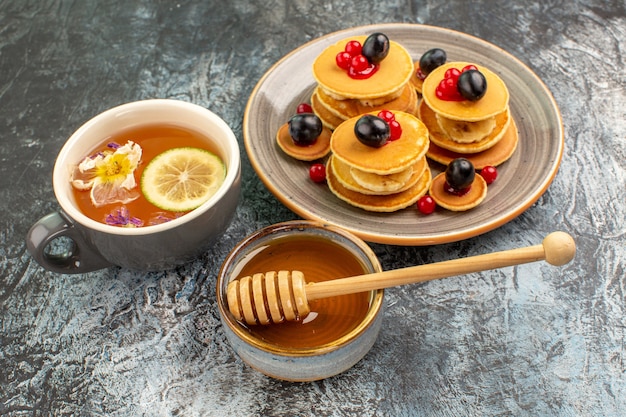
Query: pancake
column 387, row 184
column 392, row 75
column 377, row 203
column 467, row 201
column 373, row 184
column 415, row 81
column 406, row 102
column 494, row 102
column 391, row 158
column 342, row 109
column 335, row 111
column 378, row 101
column 329, row 119
column 466, row 132
column 494, row 156
column 441, row 139
column 319, row 149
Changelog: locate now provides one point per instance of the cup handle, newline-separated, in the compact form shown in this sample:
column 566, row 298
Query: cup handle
column 79, row 258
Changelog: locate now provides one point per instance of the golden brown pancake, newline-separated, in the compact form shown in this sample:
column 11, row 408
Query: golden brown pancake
column 335, row 111
column 493, row 156
column 452, row 202
column 374, row 184
column 377, row 203
column 494, row 102
column 406, row 102
column 466, row 132
column 415, row 81
column 330, row 120
column 393, row 157
column 343, row 109
column 318, row 149
column 392, row 75
column 441, row 139
column 392, row 182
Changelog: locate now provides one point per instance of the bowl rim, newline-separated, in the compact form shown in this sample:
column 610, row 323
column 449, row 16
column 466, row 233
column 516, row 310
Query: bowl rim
column 232, row 162
column 376, row 296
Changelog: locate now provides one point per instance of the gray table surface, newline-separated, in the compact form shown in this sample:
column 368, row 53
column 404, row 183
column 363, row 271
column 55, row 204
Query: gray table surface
column 527, row 340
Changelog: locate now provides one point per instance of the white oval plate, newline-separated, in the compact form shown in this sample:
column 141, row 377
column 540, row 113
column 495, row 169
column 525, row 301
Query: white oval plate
column 521, row 180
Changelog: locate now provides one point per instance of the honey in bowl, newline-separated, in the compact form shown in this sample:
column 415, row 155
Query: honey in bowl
column 319, row 259
column 154, row 140
column 337, row 333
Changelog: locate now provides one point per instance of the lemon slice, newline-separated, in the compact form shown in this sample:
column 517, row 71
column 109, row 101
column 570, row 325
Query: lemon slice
column 181, row 179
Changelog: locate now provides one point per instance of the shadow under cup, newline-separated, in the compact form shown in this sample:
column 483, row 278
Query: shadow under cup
column 94, row 245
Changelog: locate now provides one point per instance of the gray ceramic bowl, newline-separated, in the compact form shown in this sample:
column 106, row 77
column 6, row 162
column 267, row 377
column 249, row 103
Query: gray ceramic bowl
column 298, row 356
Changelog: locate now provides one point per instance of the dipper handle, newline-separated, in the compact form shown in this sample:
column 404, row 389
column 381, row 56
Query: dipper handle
column 284, row 295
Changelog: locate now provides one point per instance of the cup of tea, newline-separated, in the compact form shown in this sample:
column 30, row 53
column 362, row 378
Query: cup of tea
column 146, row 185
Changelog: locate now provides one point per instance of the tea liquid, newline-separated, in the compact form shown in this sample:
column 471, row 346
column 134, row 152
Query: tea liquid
column 320, row 260
column 153, row 139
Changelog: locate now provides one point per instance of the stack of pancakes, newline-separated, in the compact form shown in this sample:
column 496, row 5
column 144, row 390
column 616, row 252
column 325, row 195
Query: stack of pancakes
column 482, row 131
column 383, row 179
column 338, row 97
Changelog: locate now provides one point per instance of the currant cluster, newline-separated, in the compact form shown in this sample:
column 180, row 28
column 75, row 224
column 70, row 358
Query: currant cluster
column 395, row 129
column 466, row 84
column 376, row 131
column 361, row 61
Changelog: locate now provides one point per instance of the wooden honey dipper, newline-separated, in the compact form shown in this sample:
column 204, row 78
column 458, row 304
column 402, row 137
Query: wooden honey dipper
column 273, row 297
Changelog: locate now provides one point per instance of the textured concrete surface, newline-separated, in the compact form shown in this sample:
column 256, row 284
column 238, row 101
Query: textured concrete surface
column 530, row 340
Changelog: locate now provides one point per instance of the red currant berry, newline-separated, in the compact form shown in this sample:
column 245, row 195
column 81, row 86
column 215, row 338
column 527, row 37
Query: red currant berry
column 395, row 130
column 386, row 115
column 304, row 108
column 343, row 60
column 452, row 73
column 317, row 173
column 359, row 63
column 489, row 173
column 426, row 205
column 449, row 85
column 353, row 48
column 447, row 90
column 469, row 67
